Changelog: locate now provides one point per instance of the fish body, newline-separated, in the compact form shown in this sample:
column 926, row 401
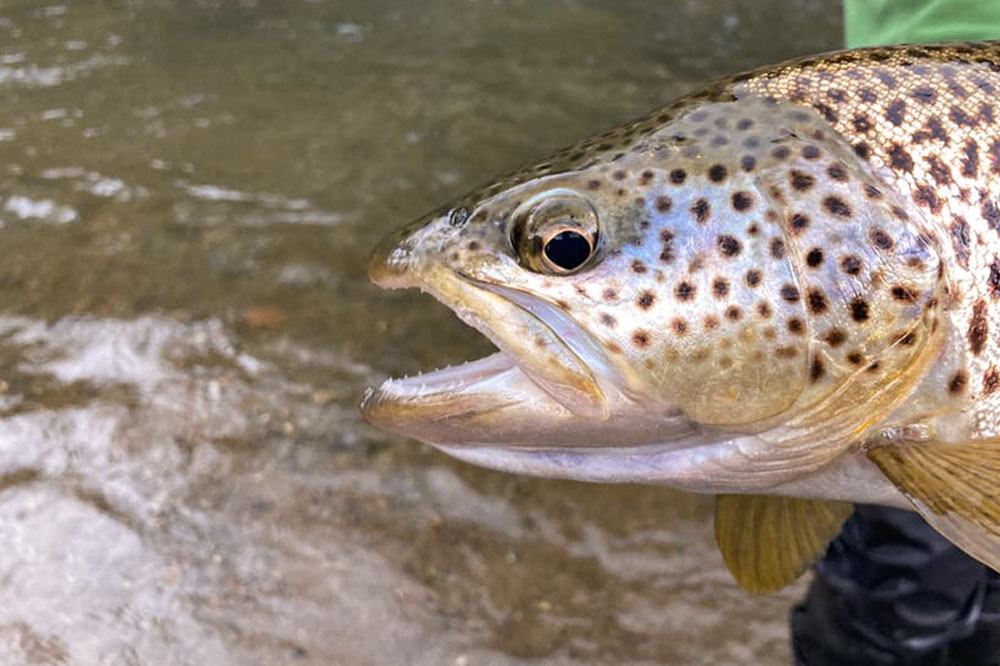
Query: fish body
column 783, row 289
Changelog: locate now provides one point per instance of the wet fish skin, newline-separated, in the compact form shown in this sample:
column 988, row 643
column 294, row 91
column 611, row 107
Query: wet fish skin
column 793, row 291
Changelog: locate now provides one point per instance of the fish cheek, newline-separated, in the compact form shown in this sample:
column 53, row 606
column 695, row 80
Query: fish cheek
column 730, row 347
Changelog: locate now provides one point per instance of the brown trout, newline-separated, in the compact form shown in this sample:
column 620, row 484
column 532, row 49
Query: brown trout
column 783, row 290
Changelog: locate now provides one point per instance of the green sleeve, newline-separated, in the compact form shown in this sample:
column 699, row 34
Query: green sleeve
column 870, row 22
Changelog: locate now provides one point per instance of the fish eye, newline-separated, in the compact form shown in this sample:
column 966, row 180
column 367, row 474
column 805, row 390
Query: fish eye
column 555, row 233
column 567, row 249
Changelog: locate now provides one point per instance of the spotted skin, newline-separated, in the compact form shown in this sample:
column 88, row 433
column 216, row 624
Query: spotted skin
column 789, row 266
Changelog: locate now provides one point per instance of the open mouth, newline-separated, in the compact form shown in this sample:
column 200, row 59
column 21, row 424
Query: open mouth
column 544, row 363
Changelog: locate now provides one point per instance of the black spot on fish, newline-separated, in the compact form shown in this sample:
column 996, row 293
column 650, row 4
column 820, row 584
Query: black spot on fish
column 979, row 327
column 814, row 257
column 837, row 206
column 970, row 165
column 835, row 337
column 685, row 291
column 958, row 382
column 926, row 196
column 894, row 112
column 729, row 246
column 904, row 293
column 778, row 248
column 790, row 293
column 742, row 201
column 702, row 210
column 991, row 214
column 880, row 239
column 641, row 337
column 994, row 279
column 837, row 172
column 900, row 159
column 960, row 240
column 799, row 221
column 991, row 380
column 717, row 173
column 801, row 181
column 859, row 309
column 817, row 301
column 816, row 369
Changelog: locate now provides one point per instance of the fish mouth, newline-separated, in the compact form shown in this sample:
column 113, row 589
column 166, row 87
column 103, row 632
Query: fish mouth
column 546, row 367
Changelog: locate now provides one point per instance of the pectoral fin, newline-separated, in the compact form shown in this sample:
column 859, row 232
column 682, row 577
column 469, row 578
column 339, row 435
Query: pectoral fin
column 953, row 486
column 767, row 541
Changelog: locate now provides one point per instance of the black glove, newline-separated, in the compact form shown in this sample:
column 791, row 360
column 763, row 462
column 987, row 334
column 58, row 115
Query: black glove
column 893, row 592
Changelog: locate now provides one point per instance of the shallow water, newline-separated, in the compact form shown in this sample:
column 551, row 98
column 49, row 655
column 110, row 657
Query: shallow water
column 187, row 194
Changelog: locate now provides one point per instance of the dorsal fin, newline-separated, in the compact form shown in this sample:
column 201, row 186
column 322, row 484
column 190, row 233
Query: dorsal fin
column 954, row 486
column 768, row 541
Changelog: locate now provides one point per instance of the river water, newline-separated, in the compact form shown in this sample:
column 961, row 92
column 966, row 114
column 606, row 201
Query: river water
column 188, row 191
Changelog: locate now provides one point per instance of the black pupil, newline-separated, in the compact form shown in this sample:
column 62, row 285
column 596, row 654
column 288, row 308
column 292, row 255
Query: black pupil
column 567, row 250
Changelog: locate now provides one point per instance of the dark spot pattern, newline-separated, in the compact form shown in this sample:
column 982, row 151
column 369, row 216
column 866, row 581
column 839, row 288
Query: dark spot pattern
column 851, row 265
column 991, row 380
column 701, row 210
column 816, row 369
column 994, row 278
column 880, row 239
column 799, row 222
column 790, row 293
column 730, row 246
column 777, row 248
column 859, row 309
column 900, row 159
column 801, row 181
column 685, row 291
column 816, row 300
column 742, row 201
column 667, row 249
column 641, row 337
column 979, row 328
column 894, row 112
column 838, row 173
column 646, row 300
column 837, row 206
column 904, row 293
column 717, row 173
column 835, row 337
column 958, row 382
column 814, row 257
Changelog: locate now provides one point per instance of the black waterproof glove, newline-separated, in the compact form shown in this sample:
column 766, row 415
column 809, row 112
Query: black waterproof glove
column 892, row 592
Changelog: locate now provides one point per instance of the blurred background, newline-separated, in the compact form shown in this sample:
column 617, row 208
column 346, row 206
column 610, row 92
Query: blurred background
column 188, row 191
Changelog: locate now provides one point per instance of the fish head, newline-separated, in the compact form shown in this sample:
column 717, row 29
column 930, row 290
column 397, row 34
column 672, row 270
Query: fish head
column 688, row 286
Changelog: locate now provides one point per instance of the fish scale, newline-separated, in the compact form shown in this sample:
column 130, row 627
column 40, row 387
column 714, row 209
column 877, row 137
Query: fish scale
column 783, row 289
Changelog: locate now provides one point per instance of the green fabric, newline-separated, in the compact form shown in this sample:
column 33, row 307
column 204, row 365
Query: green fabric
column 871, row 22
